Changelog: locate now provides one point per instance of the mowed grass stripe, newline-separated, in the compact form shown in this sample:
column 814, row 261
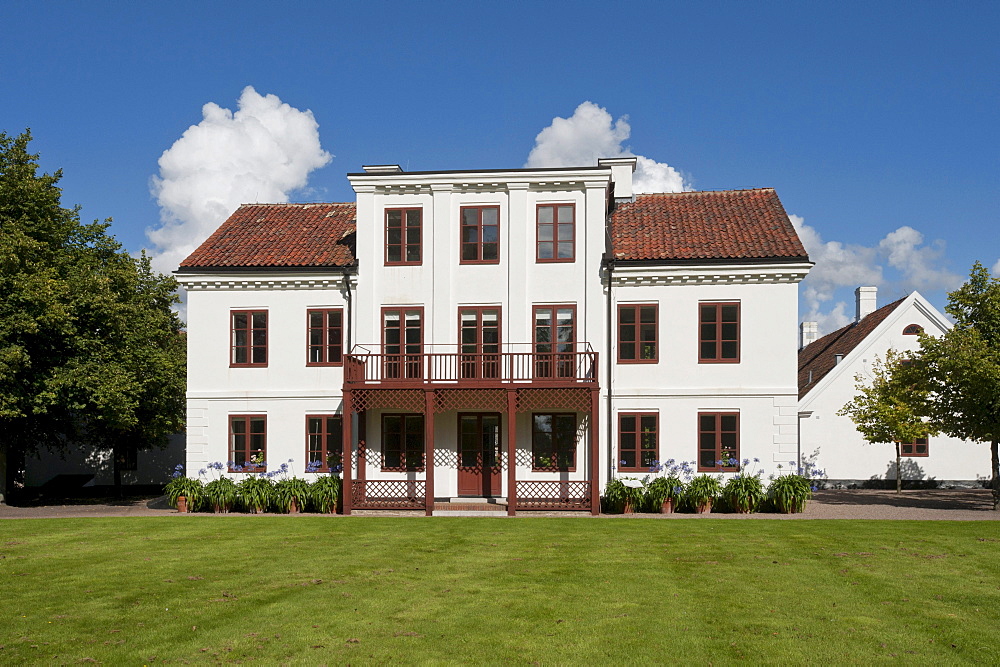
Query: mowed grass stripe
column 364, row 590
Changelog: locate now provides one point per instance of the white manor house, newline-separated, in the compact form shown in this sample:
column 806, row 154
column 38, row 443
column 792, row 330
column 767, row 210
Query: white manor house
column 512, row 336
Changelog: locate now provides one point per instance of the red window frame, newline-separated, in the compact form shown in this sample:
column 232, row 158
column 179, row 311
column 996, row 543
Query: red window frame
column 635, row 336
column 473, row 247
column 918, row 447
column 248, row 340
column 480, row 357
column 404, row 249
column 637, row 447
column 325, row 340
column 554, row 358
column 717, row 342
column 718, row 437
column 324, row 437
column 404, row 450
column 551, row 234
column 912, row 330
column 405, row 358
column 561, row 454
column 241, row 445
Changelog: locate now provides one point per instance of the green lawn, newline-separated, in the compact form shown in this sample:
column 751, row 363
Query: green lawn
column 364, row 590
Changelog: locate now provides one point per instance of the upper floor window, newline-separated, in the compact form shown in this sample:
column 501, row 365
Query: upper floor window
column 403, row 235
column 719, row 333
column 480, row 235
column 556, row 233
column 403, row 342
column 637, row 334
column 326, row 337
column 917, row 447
column 913, row 330
column 248, row 346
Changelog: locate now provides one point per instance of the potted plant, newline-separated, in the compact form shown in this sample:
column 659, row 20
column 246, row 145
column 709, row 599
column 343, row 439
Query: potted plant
column 789, row 493
column 221, row 494
column 324, row 493
column 744, row 492
column 663, row 492
column 184, row 493
column 291, row 495
column 701, row 492
column 256, row 493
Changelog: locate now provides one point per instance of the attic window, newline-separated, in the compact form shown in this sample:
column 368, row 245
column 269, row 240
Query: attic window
column 913, row 330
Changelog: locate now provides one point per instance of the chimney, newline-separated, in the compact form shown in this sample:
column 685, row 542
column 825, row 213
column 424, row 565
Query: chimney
column 865, row 299
column 808, row 333
column 382, row 169
column 621, row 175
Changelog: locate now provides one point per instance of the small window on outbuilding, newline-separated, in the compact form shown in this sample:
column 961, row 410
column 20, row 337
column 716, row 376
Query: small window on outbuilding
column 913, row 330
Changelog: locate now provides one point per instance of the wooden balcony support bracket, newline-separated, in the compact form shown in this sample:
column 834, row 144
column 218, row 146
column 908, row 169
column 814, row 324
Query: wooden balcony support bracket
column 429, row 451
column 347, row 488
column 511, row 453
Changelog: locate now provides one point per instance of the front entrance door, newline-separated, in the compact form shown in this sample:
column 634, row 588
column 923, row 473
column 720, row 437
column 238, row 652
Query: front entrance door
column 479, row 470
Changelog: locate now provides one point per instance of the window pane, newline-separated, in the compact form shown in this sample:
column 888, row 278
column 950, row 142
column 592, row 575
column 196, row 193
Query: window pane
column 730, row 350
column 490, row 234
column 545, row 214
column 491, row 216
column 730, row 313
column 259, row 320
column 545, row 232
column 565, row 232
column 708, row 350
column 491, row 251
column 647, row 314
column 545, row 250
column 470, row 252
column 627, row 423
column 708, row 314
column 626, row 350
column 239, row 320
column 470, row 216
column 565, row 251
column 565, row 214
column 728, row 422
column 626, row 315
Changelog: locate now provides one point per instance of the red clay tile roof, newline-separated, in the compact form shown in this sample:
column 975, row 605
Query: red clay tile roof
column 258, row 235
column 819, row 357
column 728, row 224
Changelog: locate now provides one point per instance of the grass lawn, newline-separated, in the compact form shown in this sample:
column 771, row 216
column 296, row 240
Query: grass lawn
column 314, row 590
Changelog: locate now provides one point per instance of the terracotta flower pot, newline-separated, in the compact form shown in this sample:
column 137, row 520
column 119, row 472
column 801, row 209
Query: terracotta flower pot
column 629, row 508
column 704, row 508
column 182, row 504
column 293, row 508
column 667, row 507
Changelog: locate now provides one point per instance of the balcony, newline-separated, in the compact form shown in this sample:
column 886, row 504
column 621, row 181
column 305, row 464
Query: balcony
column 573, row 364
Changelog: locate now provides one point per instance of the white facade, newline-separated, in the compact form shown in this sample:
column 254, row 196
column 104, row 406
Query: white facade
column 833, row 444
column 760, row 387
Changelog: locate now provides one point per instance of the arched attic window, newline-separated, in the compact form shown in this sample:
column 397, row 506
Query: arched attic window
column 912, row 330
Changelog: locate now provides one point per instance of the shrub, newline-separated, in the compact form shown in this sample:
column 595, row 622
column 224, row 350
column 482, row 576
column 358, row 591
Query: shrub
column 324, row 493
column 290, row 490
column 745, row 491
column 663, row 488
column 701, row 490
column 191, row 489
column 789, row 493
column 221, row 494
column 256, row 492
column 620, row 494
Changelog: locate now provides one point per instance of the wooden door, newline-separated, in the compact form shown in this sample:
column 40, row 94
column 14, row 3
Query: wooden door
column 479, row 470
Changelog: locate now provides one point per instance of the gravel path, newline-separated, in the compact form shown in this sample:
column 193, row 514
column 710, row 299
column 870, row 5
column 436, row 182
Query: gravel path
column 937, row 504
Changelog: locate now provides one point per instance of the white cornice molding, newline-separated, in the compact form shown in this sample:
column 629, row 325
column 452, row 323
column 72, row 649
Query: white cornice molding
column 754, row 274
column 244, row 283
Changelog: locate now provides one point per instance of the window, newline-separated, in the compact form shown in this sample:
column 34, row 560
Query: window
column 324, row 442
column 556, row 233
column 479, row 336
column 126, row 457
column 247, row 442
column 402, row 235
column 326, row 337
column 637, row 441
column 402, row 342
column 555, row 341
column 719, row 333
column 480, row 235
column 403, row 443
column 637, row 334
column 912, row 330
column 917, row 447
column 249, row 338
column 718, row 441
column 553, row 442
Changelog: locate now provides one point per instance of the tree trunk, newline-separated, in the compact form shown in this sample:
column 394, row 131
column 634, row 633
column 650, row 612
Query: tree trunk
column 899, row 479
column 995, row 465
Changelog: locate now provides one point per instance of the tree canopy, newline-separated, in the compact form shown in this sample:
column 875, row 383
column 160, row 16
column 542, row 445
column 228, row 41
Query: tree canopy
column 90, row 349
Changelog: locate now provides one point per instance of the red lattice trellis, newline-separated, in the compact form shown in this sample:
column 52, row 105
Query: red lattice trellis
column 557, row 398
column 384, row 494
column 485, row 400
column 402, row 400
column 559, row 495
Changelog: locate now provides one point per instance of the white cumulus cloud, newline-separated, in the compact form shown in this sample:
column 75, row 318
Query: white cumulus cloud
column 261, row 153
column 591, row 133
column 842, row 265
column 996, row 268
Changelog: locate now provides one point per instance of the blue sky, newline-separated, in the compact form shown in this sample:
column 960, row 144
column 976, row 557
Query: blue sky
column 876, row 122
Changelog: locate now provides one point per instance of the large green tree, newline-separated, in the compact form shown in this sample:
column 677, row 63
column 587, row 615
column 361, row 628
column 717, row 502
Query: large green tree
column 891, row 405
column 961, row 369
column 91, row 352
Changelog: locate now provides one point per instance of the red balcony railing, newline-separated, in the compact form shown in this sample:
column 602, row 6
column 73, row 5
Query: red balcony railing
column 444, row 364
